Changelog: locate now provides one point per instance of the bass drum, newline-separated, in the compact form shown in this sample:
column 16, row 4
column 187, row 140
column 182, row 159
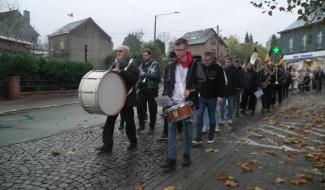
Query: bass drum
column 102, row 92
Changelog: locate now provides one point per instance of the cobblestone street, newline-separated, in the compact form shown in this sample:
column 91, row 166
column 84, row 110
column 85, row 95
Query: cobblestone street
column 281, row 150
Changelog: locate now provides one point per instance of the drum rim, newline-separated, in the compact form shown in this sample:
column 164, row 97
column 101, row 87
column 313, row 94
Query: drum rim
column 124, row 97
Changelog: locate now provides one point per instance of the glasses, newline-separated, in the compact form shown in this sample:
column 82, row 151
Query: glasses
column 119, row 51
column 179, row 49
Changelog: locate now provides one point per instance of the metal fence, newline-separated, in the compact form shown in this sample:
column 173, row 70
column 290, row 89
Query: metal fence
column 46, row 85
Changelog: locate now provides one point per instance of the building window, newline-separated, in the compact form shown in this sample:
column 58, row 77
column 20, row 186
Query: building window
column 319, row 39
column 61, row 45
column 290, row 45
column 304, row 42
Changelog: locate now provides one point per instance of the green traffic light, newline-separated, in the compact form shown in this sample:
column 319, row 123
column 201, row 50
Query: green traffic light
column 276, row 50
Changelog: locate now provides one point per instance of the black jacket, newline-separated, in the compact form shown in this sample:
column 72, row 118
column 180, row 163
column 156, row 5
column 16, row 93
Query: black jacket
column 130, row 76
column 232, row 74
column 192, row 81
column 251, row 81
column 213, row 85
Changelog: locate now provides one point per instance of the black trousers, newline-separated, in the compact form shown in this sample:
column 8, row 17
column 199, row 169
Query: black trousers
column 249, row 98
column 147, row 96
column 127, row 114
column 277, row 90
column 266, row 98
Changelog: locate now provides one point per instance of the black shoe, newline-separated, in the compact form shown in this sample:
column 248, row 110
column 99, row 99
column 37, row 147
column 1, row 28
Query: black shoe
column 186, row 160
column 168, row 164
column 121, row 127
column 252, row 112
column 104, row 149
column 132, row 146
column 243, row 112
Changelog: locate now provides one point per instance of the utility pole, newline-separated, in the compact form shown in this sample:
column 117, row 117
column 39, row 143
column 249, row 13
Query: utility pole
column 218, row 42
column 86, row 51
column 154, row 33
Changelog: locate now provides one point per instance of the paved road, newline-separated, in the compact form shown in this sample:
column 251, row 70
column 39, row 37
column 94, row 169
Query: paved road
column 286, row 144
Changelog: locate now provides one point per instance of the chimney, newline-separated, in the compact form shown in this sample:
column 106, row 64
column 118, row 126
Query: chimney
column 27, row 16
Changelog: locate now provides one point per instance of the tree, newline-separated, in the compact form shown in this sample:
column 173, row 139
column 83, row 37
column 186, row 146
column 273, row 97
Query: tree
column 251, row 38
column 134, row 41
column 246, row 37
column 305, row 8
column 161, row 45
column 233, row 45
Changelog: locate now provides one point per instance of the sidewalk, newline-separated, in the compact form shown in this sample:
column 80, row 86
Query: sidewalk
column 38, row 101
column 282, row 150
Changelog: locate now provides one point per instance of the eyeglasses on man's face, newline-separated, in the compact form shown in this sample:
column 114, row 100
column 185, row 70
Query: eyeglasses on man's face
column 119, row 51
column 178, row 49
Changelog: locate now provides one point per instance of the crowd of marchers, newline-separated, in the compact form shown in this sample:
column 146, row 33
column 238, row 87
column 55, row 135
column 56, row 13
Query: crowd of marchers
column 217, row 92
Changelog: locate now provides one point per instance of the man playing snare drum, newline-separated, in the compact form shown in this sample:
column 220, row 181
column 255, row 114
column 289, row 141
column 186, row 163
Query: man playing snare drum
column 130, row 74
column 182, row 86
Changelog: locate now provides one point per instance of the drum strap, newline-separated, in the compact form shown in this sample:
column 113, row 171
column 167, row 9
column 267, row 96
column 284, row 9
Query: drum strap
column 130, row 62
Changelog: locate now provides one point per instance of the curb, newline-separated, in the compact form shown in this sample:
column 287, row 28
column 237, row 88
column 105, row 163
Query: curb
column 7, row 112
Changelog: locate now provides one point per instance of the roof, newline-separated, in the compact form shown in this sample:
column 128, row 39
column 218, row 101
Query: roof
column 14, row 25
column 69, row 27
column 14, row 40
column 312, row 19
column 201, row 36
column 74, row 25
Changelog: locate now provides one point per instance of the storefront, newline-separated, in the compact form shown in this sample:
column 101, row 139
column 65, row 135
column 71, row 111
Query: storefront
column 306, row 61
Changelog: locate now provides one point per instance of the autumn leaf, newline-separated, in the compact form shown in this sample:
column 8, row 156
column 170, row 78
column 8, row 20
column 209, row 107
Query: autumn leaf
column 292, row 154
column 211, row 150
column 246, row 167
column 271, row 152
column 280, row 180
column 170, row 188
column 297, row 181
column 231, row 183
column 55, row 153
column 223, row 177
column 253, row 162
column 254, row 188
column 138, row 186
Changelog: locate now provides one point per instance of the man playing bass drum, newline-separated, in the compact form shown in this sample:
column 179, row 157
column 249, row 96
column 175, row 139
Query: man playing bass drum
column 130, row 74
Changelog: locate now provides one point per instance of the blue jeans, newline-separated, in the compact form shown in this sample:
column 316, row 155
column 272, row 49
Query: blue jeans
column 210, row 104
column 206, row 120
column 172, row 142
column 230, row 107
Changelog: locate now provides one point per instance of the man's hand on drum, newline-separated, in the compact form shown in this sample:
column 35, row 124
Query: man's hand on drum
column 219, row 100
column 186, row 93
column 115, row 70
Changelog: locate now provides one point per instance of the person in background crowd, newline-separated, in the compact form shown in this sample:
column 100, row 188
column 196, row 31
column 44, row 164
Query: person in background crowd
column 211, row 91
column 147, row 86
column 230, row 91
column 318, row 79
column 251, row 83
column 239, row 87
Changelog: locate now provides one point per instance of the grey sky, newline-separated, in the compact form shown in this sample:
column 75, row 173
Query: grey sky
column 119, row 17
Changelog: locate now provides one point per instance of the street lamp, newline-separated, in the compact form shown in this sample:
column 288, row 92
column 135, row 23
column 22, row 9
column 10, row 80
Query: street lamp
column 156, row 16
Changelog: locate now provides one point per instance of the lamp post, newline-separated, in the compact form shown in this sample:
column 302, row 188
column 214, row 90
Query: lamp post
column 156, row 16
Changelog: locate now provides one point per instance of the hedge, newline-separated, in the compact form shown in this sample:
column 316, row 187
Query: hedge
column 30, row 67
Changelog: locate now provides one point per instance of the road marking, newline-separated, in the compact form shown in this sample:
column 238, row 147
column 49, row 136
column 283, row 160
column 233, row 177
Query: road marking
column 308, row 131
column 273, row 133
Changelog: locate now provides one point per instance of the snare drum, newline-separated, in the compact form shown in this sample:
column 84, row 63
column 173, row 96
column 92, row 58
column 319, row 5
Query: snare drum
column 179, row 112
column 102, row 92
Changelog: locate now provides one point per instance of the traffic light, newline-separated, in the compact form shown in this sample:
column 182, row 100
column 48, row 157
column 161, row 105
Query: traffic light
column 276, row 50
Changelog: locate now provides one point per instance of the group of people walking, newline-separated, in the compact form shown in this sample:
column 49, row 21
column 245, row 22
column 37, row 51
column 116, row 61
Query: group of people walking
column 204, row 82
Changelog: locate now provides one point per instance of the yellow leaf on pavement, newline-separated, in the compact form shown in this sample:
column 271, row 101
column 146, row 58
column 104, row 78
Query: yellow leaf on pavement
column 170, row 188
column 280, row 180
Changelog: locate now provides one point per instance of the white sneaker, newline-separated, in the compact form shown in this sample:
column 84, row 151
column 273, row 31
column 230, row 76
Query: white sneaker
column 210, row 141
column 217, row 129
column 230, row 122
column 205, row 129
column 221, row 122
column 195, row 142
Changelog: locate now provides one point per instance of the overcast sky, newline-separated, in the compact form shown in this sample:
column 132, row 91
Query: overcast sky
column 119, row 17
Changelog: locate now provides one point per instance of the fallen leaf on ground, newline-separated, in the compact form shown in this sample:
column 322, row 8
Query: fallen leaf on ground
column 231, row 183
column 55, row 153
column 271, row 152
column 254, row 153
column 138, row 186
column 211, row 150
column 292, row 154
column 253, row 161
column 254, row 188
column 312, row 171
column 246, row 167
column 170, row 188
column 223, row 177
column 280, row 180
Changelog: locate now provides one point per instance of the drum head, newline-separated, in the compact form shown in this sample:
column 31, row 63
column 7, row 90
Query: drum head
column 111, row 93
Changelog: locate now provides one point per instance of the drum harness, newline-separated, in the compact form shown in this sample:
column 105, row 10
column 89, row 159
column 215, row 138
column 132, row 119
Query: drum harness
column 117, row 65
